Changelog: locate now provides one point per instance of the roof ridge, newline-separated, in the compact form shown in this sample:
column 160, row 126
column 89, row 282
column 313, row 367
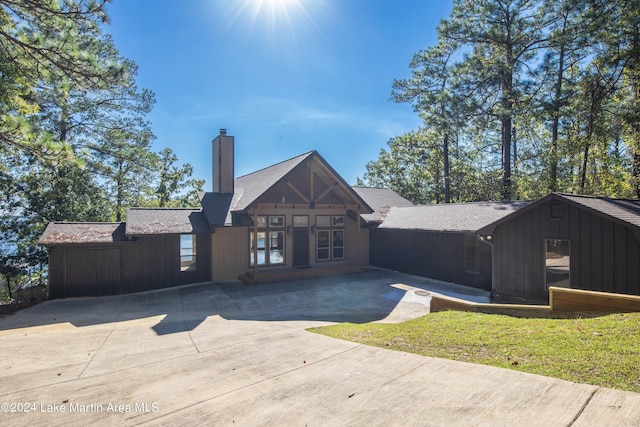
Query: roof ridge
column 276, row 164
column 591, row 196
column 507, row 202
column 87, row 222
column 163, row 209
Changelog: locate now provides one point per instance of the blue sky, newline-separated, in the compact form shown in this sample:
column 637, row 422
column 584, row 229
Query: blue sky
column 282, row 76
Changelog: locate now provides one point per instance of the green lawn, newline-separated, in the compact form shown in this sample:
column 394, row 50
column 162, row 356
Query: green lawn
column 603, row 351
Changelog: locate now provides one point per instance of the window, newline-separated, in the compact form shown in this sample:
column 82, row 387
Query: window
column 269, row 244
column 558, row 263
column 276, row 221
column 337, row 244
column 300, row 221
column 323, row 221
column 323, row 245
column 187, row 252
column 330, row 237
column 471, row 254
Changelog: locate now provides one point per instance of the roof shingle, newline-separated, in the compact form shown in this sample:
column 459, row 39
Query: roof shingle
column 251, row 186
column 60, row 233
column 454, row 217
column 380, row 200
column 622, row 209
column 142, row 221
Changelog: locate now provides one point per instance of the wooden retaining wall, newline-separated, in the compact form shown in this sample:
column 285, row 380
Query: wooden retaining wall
column 577, row 300
column 563, row 302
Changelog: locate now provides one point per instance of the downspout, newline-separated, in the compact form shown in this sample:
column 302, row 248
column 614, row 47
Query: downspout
column 255, row 244
column 359, row 237
column 488, row 240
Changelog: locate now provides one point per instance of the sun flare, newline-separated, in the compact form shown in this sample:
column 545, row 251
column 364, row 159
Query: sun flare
column 274, row 18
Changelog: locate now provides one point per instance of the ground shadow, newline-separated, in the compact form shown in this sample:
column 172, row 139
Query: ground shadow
column 356, row 298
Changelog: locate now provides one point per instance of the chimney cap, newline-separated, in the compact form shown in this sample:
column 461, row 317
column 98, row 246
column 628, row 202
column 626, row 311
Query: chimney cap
column 223, row 131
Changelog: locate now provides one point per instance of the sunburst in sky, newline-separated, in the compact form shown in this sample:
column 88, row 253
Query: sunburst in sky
column 283, row 76
column 274, row 19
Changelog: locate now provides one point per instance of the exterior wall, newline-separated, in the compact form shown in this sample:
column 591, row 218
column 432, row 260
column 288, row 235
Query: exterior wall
column 605, row 256
column 364, row 246
column 149, row 262
column 435, row 255
column 229, row 253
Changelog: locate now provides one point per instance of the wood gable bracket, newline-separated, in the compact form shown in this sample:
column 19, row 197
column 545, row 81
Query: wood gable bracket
column 298, row 192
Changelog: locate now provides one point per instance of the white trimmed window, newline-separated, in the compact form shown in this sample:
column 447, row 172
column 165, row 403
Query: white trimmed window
column 330, row 237
column 187, row 252
column 269, row 246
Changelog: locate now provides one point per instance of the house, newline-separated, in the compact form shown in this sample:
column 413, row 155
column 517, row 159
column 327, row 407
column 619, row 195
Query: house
column 581, row 242
column 299, row 218
column 517, row 249
column 149, row 251
column 293, row 219
column 439, row 241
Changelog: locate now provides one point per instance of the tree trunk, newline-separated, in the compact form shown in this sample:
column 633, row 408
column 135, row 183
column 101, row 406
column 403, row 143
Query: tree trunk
column 506, row 158
column 119, row 192
column 596, row 95
column 506, row 117
column 9, row 286
column 553, row 167
column 447, row 175
column 636, row 172
column 585, row 162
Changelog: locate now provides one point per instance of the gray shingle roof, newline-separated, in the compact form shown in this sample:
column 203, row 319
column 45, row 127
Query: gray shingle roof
column 165, row 221
column 455, row 217
column 250, row 187
column 217, row 207
column 380, row 200
column 60, row 233
column 621, row 209
column 626, row 212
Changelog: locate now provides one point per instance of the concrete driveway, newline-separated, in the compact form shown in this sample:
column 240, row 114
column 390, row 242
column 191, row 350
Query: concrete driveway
column 229, row 354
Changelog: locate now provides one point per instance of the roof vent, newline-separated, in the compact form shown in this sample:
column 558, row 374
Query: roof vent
column 223, row 131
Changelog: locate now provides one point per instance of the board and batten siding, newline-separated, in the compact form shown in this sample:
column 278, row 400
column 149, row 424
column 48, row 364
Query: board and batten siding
column 145, row 263
column 605, row 255
column 437, row 255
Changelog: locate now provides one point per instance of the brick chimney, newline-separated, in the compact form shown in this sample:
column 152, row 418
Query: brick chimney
column 223, row 173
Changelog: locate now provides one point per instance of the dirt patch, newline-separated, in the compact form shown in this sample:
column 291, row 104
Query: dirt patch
column 12, row 307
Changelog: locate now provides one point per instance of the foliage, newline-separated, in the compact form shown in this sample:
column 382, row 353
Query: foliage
column 543, row 92
column 40, row 42
column 74, row 141
column 174, row 180
column 601, row 351
column 412, row 167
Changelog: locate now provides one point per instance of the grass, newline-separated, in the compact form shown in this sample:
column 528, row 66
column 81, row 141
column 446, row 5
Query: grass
column 603, row 351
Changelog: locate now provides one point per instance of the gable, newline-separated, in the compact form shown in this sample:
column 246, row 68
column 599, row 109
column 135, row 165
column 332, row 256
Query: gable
column 305, row 180
column 623, row 212
column 380, row 200
column 252, row 186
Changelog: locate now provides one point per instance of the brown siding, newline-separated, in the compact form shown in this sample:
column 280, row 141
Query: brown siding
column 364, row 246
column 430, row 254
column 604, row 255
column 149, row 262
column 230, row 253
